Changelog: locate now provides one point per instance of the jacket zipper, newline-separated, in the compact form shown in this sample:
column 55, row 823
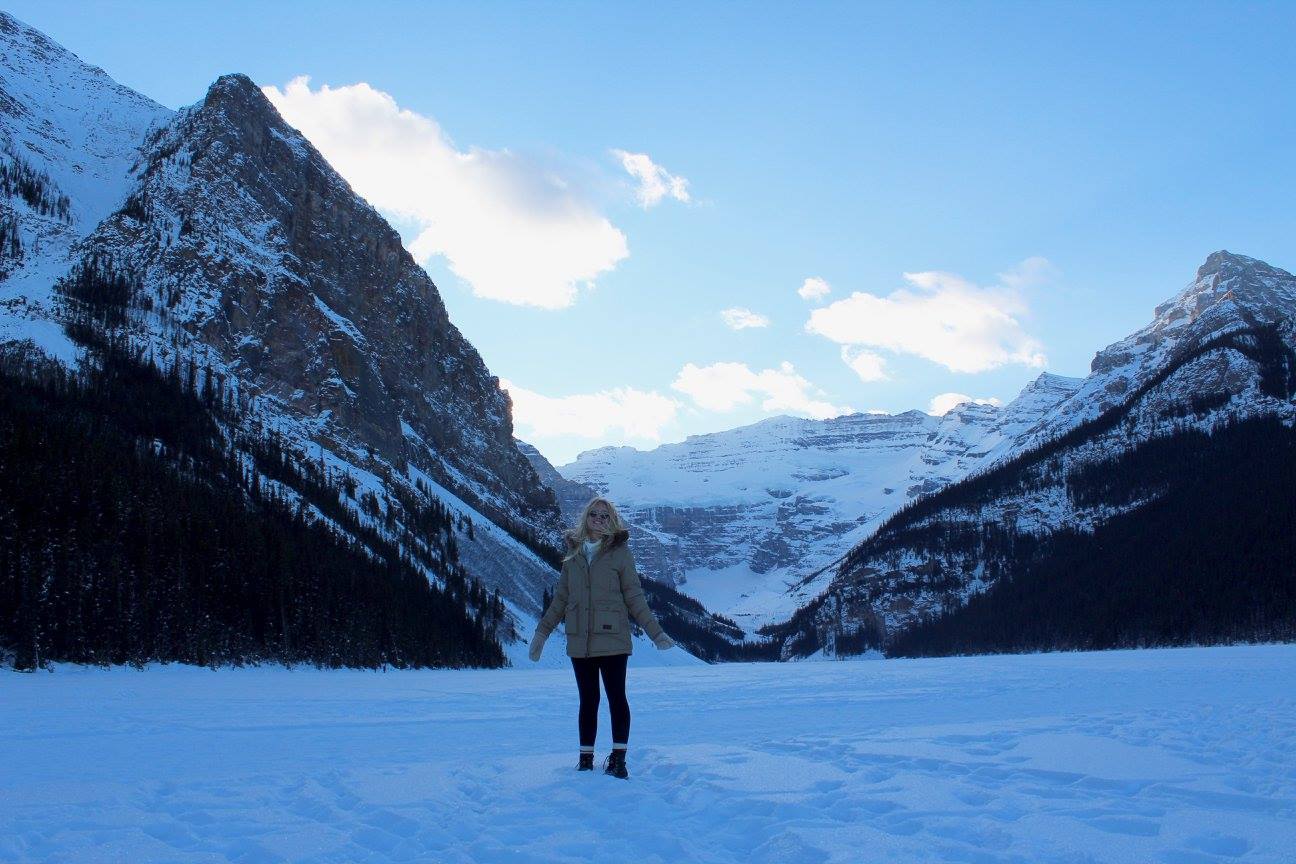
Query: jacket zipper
column 589, row 602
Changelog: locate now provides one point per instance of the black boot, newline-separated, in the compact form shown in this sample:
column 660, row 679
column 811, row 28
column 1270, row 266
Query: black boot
column 615, row 765
column 586, row 762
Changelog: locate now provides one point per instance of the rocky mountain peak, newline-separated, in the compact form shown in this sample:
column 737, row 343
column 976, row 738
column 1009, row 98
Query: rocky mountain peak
column 1229, row 291
column 1049, row 382
column 972, row 411
column 259, row 249
column 1262, row 290
column 237, row 98
column 1227, row 265
column 234, row 85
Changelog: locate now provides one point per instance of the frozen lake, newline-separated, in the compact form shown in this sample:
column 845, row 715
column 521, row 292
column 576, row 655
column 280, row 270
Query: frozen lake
column 1173, row 757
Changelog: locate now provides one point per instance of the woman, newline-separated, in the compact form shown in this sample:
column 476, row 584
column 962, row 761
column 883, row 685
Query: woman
column 597, row 593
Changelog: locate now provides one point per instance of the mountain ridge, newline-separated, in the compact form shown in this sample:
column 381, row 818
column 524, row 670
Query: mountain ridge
column 969, row 441
column 814, row 480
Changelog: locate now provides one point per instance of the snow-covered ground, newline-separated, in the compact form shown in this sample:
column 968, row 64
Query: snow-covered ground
column 1174, row 757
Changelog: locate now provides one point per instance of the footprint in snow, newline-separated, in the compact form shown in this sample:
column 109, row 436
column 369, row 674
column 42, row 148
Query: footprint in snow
column 785, row 847
column 174, row 835
column 250, row 852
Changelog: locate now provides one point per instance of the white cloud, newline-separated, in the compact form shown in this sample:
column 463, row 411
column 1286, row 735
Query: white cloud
column 514, row 231
column 941, row 317
column 1031, row 273
column 635, row 414
column 945, row 402
column 867, row 365
column 814, row 289
column 738, row 318
column 655, row 182
column 725, row 386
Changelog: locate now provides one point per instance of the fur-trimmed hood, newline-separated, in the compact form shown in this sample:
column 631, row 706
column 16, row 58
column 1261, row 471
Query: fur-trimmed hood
column 619, row 538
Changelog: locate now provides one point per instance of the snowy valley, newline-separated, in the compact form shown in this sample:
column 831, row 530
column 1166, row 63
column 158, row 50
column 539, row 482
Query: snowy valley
column 271, row 554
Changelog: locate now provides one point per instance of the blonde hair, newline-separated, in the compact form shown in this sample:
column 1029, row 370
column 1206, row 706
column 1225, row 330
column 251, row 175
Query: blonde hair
column 580, row 533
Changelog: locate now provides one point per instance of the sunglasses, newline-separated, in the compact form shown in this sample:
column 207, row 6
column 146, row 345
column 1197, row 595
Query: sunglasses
column 601, row 517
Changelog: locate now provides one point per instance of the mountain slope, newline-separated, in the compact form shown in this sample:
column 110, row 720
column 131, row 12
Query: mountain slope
column 69, row 137
column 1211, row 557
column 242, row 237
column 175, row 551
column 1229, row 292
column 1230, row 362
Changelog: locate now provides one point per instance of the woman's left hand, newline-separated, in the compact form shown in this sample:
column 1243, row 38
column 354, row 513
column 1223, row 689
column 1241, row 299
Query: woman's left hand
column 663, row 642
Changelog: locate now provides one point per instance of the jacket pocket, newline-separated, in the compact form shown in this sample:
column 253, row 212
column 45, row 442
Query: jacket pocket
column 572, row 623
column 608, row 619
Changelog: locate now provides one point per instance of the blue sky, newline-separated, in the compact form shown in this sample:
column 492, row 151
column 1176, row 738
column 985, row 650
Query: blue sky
column 1045, row 173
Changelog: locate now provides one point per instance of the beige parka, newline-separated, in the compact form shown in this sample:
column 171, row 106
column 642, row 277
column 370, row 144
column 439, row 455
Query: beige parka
column 595, row 600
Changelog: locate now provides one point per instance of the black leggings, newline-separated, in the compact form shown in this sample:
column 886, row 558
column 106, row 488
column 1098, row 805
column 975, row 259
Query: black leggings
column 614, row 674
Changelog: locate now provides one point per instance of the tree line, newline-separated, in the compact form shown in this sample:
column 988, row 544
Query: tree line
column 20, row 180
column 136, row 526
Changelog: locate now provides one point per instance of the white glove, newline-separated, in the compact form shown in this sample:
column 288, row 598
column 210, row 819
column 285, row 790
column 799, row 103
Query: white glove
column 663, row 642
column 537, row 646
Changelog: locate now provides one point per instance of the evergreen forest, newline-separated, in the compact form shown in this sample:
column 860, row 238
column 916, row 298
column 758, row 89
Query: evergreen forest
column 140, row 521
column 1211, row 560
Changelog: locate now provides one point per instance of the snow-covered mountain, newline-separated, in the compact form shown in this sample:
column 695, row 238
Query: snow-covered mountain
column 751, row 520
column 1220, row 354
column 69, row 136
column 757, row 521
column 1230, row 292
column 242, row 250
column 243, row 237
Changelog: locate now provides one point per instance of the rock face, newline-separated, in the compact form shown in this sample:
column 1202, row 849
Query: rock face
column 1221, row 351
column 572, row 496
column 248, row 240
column 247, row 254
